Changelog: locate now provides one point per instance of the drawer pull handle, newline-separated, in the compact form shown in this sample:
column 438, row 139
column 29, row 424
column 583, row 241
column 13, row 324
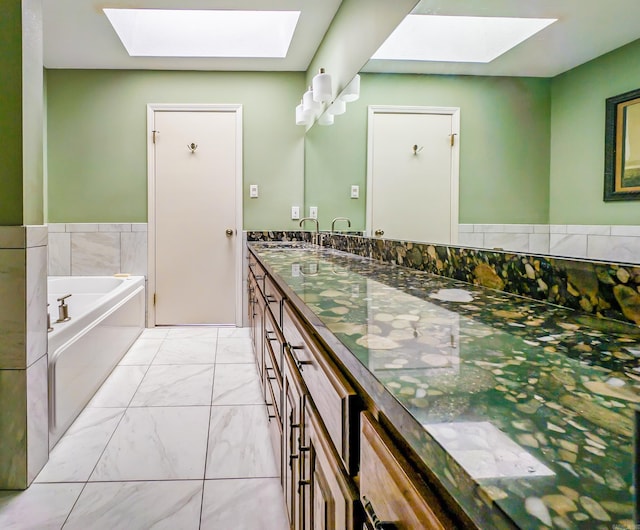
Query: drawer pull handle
column 377, row 523
column 269, row 337
column 271, row 299
column 259, row 276
column 298, row 362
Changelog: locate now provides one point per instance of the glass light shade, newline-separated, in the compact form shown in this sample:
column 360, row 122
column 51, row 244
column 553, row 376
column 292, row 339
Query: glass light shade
column 302, row 117
column 322, row 87
column 308, row 104
column 325, row 119
column 338, row 107
column 352, row 90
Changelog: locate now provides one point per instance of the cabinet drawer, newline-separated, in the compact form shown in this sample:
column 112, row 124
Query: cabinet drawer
column 390, row 489
column 273, row 382
column 275, row 434
column 274, row 340
column 256, row 270
column 333, row 396
column 273, row 297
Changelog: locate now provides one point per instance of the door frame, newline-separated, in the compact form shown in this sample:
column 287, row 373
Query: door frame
column 454, row 112
column 152, row 108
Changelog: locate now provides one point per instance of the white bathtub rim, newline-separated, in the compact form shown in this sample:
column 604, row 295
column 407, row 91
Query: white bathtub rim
column 92, row 311
column 93, row 322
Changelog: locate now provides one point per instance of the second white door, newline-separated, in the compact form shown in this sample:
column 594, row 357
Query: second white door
column 195, row 217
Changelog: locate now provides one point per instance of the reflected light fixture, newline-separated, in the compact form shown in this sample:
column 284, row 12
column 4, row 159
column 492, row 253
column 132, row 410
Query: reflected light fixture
column 352, row 90
column 326, row 119
column 457, row 38
column 322, row 87
column 338, row 107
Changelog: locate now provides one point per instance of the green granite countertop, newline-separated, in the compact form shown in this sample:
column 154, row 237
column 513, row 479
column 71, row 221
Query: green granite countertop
column 522, row 410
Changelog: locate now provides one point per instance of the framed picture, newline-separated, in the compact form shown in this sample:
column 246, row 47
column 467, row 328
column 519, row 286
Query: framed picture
column 622, row 148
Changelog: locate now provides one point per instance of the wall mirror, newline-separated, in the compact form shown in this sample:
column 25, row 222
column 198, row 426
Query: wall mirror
column 531, row 143
column 622, row 147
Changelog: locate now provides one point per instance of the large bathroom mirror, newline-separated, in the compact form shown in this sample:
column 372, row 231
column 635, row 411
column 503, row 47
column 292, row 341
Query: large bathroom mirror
column 532, row 124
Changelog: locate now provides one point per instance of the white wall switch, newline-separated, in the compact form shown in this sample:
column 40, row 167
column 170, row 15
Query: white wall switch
column 295, row 212
column 313, row 212
column 253, row 191
column 355, row 192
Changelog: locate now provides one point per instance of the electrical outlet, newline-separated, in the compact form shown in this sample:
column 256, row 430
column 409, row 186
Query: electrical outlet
column 313, row 212
column 253, row 191
column 355, row 192
column 295, row 212
column 295, row 270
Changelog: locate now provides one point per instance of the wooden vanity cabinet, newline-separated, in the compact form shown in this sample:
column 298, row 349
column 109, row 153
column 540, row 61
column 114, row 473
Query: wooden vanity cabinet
column 323, row 443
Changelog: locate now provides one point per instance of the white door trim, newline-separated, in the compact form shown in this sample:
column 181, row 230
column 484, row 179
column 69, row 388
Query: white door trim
column 454, row 112
column 152, row 108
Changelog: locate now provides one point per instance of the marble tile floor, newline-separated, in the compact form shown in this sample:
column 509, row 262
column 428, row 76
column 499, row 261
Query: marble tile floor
column 176, row 438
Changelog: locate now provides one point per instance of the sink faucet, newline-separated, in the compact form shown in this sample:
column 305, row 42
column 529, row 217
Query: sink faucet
column 317, row 232
column 340, row 219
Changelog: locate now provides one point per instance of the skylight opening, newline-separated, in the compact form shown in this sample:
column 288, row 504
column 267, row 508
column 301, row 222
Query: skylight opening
column 204, row 33
column 457, row 38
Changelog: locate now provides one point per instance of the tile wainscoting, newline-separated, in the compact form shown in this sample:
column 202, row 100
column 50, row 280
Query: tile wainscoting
column 603, row 242
column 94, row 249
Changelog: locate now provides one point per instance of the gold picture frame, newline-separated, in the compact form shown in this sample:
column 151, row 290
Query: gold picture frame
column 622, row 147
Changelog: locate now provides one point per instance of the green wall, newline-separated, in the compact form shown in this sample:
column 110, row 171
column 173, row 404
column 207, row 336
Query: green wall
column 11, row 113
column 577, row 139
column 97, row 154
column 504, row 153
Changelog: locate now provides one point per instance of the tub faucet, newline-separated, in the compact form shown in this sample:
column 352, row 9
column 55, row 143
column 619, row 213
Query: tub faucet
column 340, row 219
column 63, row 309
column 317, row 232
column 49, row 327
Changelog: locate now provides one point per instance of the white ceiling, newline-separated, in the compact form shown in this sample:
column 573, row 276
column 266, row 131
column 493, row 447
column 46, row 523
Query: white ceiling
column 585, row 29
column 78, row 35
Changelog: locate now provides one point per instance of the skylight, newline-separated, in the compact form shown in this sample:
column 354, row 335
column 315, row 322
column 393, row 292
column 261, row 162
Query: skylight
column 457, row 38
column 204, row 33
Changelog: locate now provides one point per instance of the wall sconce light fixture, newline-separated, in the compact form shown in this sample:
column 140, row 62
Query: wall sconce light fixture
column 322, row 87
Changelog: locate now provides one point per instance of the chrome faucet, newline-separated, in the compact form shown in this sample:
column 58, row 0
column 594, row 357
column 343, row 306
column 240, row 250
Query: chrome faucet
column 340, row 219
column 317, row 232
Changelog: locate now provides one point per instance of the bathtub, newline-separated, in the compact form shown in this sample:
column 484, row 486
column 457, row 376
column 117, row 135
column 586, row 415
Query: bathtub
column 107, row 315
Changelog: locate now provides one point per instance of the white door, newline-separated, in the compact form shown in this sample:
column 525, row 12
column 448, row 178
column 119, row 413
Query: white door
column 412, row 191
column 195, row 217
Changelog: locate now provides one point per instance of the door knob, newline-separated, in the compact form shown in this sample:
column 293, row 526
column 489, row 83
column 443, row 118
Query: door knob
column 379, row 233
column 229, row 232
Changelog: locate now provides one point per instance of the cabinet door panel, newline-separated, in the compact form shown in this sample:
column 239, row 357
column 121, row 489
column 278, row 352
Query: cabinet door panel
column 330, row 494
column 388, row 487
column 292, row 424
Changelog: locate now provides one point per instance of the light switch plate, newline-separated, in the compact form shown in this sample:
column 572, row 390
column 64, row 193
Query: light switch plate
column 253, row 191
column 295, row 212
column 355, row 192
column 313, row 212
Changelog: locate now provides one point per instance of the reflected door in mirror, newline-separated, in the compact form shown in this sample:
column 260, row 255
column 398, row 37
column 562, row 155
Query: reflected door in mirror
column 411, row 193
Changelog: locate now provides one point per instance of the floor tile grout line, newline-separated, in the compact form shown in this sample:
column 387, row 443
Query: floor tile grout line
column 206, row 454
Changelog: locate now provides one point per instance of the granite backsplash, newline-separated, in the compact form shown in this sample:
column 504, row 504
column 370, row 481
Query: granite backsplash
column 608, row 290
